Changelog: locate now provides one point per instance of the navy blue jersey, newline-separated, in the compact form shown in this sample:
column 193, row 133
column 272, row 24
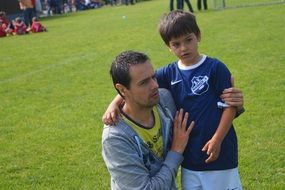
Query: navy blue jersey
column 197, row 90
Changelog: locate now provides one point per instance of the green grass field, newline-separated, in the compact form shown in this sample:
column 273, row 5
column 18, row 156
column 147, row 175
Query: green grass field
column 55, row 86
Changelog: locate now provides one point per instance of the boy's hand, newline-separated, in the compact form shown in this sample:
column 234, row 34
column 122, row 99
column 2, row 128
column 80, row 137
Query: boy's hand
column 213, row 148
column 180, row 133
column 112, row 114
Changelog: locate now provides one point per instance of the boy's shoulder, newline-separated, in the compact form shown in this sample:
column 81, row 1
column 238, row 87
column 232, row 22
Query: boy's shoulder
column 214, row 63
column 169, row 66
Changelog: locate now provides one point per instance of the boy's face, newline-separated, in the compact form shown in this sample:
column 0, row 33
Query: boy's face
column 185, row 48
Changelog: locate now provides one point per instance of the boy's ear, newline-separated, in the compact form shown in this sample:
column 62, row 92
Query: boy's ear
column 199, row 37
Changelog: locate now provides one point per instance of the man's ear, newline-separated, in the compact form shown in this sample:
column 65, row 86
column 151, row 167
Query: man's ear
column 121, row 88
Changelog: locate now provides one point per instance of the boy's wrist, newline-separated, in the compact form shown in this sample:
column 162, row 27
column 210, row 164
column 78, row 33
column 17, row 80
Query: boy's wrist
column 217, row 138
column 239, row 111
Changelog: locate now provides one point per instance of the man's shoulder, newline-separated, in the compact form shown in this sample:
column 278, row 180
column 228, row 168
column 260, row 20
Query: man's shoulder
column 164, row 93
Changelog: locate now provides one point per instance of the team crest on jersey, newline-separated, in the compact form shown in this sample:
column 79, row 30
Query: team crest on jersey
column 199, row 85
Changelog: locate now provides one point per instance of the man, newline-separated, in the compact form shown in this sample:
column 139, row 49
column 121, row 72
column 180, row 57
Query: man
column 137, row 150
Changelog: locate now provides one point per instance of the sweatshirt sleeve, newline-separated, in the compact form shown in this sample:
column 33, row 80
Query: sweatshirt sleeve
column 128, row 170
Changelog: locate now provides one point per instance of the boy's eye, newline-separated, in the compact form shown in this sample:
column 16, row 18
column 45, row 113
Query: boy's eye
column 189, row 39
column 175, row 45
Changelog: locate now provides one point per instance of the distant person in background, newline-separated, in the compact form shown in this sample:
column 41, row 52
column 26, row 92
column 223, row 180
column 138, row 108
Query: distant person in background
column 171, row 5
column 80, row 5
column 180, row 5
column 67, row 6
column 189, row 6
column 37, row 26
column 58, row 4
column 131, row 1
column 199, row 4
column 34, row 7
column 28, row 10
column 5, row 23
column 113, row 2
column 2, row 29
column 3, row 18
column 20, row 27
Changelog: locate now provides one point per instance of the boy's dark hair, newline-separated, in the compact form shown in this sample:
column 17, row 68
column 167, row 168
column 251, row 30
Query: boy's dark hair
column 121, row 65
column 177, row 23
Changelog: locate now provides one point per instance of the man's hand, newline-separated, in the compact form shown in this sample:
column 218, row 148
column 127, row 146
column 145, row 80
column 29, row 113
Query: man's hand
column 233, row 96
column 180, row 133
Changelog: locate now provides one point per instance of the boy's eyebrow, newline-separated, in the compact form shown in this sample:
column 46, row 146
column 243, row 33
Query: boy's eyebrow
column 185, row 36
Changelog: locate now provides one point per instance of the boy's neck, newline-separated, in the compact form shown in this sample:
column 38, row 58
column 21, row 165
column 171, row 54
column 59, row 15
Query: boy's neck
column 192, row 62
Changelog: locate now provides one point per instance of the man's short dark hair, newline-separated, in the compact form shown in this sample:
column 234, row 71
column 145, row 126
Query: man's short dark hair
column 121, row 65
column 177, row 23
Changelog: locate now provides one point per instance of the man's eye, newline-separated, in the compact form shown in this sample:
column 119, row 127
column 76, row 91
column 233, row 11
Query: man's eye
column 142, row 83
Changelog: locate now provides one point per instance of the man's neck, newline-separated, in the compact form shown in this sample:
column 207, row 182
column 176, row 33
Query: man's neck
column 143, row 116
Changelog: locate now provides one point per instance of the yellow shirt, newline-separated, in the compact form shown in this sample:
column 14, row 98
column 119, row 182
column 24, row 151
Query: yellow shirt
column 151, row 136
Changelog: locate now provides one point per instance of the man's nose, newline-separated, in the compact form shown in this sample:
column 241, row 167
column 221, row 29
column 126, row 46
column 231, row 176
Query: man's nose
column 154, row 83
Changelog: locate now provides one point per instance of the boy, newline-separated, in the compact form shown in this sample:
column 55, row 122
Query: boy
column 196, row 82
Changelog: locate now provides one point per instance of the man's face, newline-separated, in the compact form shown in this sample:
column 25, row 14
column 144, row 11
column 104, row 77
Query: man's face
column 143, row 91
column 185, row 48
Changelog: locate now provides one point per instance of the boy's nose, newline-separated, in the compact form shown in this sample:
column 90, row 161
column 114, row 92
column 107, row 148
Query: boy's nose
column 183, row 47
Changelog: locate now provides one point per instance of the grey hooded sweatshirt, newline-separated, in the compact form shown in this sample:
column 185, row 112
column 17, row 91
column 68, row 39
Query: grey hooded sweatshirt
column 131, row 164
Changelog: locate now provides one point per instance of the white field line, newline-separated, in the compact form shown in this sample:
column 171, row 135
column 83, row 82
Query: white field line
column 71, row 60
